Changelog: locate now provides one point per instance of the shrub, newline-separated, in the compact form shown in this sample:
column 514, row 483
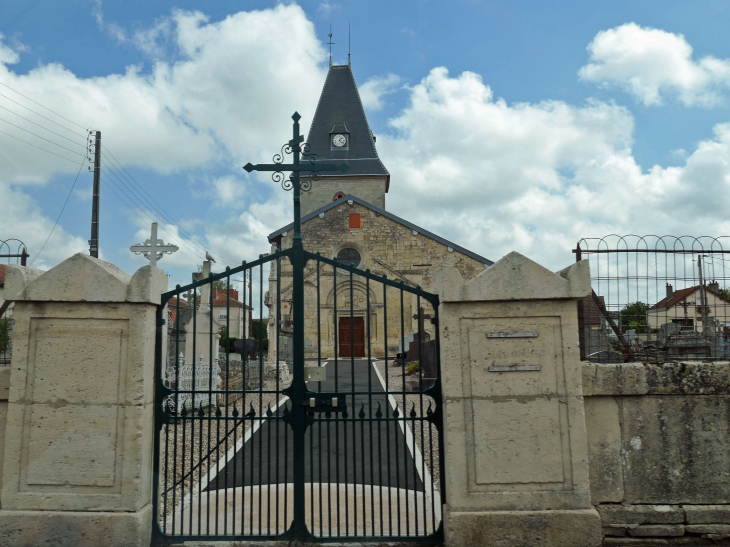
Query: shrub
column 413, row 367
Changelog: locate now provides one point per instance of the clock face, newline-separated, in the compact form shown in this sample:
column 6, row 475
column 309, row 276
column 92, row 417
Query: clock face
column 339, row 140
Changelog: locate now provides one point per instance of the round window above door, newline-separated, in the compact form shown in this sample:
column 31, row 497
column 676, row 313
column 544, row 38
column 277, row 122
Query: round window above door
column 338, row 195
column 349, row 256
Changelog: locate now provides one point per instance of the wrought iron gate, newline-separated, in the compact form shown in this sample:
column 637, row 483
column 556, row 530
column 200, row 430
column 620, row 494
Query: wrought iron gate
column 320, row 447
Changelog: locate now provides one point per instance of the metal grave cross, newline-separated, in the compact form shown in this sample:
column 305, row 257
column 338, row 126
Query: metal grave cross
column 421, row 316
column 295, row 147
column 154, row 248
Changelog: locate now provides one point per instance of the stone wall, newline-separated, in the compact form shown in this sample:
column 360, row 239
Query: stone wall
column 77, row 454
column 370, row 189
column 659, row 449
column 386, row 248
column 4, row 393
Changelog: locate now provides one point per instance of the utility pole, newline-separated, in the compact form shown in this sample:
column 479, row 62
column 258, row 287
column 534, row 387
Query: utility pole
column 94, row 241
column 250, row 305
column 703, row 300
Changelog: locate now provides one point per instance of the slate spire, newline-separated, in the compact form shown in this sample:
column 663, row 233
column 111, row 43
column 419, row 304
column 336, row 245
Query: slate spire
column 340, row 112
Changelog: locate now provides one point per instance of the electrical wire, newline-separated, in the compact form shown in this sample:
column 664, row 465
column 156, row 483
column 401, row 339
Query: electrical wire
column 39, row 148
column 39, row 125
column 45, row 139
column 39, row 104
column 158, row 209
column 59, row 214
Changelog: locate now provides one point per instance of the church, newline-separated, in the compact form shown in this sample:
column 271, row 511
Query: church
column 344, row 215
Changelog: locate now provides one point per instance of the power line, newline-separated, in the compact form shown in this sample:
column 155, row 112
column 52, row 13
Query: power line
column 36, row 146
column 45, row 139
column 106, row 181
column 39, row 104
column 59, row 214
column 159, row 209
column 41, row 115
column 39, row 125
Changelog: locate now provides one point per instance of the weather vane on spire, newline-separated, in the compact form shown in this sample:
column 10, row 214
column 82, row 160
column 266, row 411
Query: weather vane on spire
column 330, row 43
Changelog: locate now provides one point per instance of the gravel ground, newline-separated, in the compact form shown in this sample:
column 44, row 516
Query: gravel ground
column 413, row 401
column 207, row 432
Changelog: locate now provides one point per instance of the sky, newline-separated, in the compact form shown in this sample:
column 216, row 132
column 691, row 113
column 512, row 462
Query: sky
column 515, row 125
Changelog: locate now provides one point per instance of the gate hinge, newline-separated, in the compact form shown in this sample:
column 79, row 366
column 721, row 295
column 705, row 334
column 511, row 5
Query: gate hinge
column 160, row 322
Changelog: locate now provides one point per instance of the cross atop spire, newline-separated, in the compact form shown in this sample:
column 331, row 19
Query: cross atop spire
column 331, row 43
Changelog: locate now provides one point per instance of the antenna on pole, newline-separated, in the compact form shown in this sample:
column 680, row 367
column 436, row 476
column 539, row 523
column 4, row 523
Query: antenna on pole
column 349, row 61
column 330, row 43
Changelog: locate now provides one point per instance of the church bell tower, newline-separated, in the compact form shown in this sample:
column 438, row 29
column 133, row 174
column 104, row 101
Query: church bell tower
column 340, row 134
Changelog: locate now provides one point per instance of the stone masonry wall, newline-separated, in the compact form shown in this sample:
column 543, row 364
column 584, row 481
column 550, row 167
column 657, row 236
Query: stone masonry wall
column 385, row 247
column 370, row 189
column 659, row 450
column 4, row 393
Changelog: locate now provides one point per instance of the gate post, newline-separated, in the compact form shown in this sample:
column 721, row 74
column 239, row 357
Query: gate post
column 515, row 445
column 78, row 445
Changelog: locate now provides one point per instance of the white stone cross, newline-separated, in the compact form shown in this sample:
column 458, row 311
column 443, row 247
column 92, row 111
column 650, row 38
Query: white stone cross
column 154, row 248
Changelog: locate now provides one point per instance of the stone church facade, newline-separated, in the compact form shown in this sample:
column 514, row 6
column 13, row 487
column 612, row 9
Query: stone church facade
column 344, row 217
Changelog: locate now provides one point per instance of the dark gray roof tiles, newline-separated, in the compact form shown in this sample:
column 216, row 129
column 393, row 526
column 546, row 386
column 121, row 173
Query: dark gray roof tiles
column 340, row 110
column 384, row 213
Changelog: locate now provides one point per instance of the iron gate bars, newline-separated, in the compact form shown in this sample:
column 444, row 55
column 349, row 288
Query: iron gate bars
column 265, row 421
column 226, row 442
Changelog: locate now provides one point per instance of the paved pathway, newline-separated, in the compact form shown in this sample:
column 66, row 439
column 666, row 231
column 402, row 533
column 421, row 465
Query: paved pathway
column 338, row 450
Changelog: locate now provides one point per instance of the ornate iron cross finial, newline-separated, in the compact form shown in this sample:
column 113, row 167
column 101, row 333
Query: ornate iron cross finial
column 297, row 148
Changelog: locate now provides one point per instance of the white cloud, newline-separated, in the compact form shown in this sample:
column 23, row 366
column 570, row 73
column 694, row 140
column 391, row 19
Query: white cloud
column 22, row 218
column 218, row 103
column 326, row 9
column 377, row 87
column 653, row 64
column 496, row 177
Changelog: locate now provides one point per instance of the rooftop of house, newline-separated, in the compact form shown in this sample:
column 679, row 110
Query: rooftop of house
column 682, row 294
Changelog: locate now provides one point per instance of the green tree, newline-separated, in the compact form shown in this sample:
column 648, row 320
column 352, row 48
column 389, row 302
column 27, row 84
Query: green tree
column 220, row 285
column 4, row 335
column 633, row 316
column 258, row 328
column 725, row 293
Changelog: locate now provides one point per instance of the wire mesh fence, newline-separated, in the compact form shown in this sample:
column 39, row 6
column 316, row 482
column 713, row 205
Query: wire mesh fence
column 655, row 298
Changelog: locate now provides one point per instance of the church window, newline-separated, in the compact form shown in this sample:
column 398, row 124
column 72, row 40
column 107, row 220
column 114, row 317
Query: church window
column 338, row 195
column 349, row 256
column 355, row 220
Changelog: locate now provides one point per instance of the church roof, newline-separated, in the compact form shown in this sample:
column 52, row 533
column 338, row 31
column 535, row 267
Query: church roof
column 384, row 213
column 340, row 110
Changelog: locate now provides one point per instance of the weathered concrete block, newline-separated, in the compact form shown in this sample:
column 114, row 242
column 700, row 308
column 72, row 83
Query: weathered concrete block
column 683, row 378
column 677, row 449
column 603, row 426
column 641, row 514
column 723, row 529
column 643, row 542
column 580, row 528
column 707, row 514
column 615, row 532
column 654, row 530
column 75, row 529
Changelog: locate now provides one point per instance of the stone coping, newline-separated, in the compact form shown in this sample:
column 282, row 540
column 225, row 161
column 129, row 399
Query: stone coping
column 671, row 378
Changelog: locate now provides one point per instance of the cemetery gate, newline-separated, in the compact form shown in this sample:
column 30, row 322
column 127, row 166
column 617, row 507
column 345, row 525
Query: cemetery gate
column 326, row 446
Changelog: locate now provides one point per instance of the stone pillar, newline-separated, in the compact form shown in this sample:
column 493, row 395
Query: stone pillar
column 514, row 424
column 78, row 444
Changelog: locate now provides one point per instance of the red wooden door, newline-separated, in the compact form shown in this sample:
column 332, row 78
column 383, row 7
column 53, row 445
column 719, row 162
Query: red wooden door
column 347, row 347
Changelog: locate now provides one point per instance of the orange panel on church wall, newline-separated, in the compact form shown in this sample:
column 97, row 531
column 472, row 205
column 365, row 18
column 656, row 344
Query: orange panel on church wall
column 355, row 221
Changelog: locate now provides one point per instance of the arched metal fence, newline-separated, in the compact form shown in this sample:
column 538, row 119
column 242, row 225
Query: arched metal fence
column 655, row 298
